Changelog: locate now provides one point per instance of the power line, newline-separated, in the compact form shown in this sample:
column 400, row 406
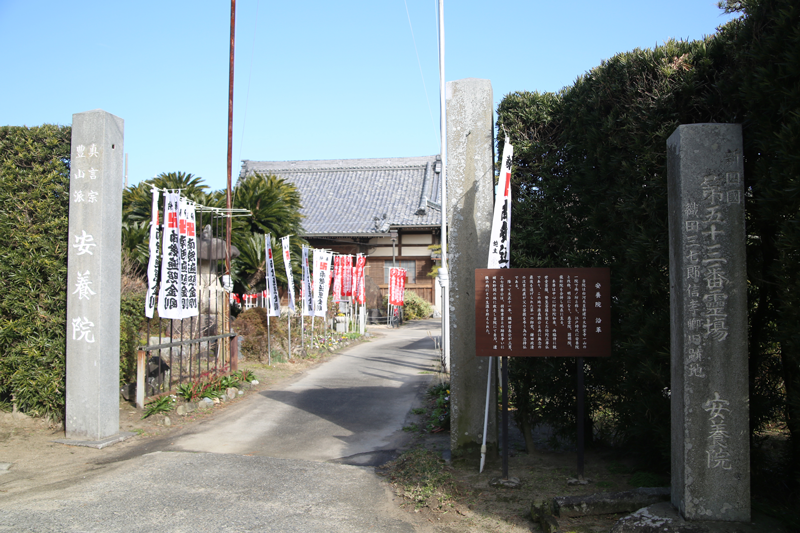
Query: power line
column 249, row 78
column 424, row 87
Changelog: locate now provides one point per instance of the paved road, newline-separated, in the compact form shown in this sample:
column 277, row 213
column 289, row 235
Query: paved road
column 350, row 409
column 280, row 461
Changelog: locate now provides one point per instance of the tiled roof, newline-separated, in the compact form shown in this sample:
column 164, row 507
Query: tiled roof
column 350, row 197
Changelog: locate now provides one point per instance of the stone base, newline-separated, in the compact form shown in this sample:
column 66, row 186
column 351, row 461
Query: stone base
column 510, row 483
column 99, row 444
column 609, row 502
column 664, row 518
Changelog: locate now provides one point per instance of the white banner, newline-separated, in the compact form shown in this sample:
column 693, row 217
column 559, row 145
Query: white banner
column 154, row 263
column 322, row 267
column 169, row 291
column 188, row 240
column 499, row 247
column 274, row 304
column 287, row 264
column 307, row 291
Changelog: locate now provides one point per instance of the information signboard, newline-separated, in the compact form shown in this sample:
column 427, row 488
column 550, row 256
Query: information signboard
column 543, row 312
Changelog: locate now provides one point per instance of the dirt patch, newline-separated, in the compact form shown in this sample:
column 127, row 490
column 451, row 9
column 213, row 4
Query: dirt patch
column 452, row 496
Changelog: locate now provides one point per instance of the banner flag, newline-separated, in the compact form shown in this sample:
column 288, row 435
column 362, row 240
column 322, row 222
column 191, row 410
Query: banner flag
column 499, row 248
column 347, row 276
column 401, row 290
column 315, row 281
column 274, row 304
column 188, row 248
column 287, row 264
column 360, row 282
column 154, row 263
column 322, row 263
column 396, row 286
column 337, row 278
column 169, row 291
column 306, row 292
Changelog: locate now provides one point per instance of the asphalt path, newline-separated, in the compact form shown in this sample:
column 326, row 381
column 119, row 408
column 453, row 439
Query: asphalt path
column 293, row 459
column 351, row 409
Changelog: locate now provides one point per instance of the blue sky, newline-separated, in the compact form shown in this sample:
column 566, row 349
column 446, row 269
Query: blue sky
column 313, row 79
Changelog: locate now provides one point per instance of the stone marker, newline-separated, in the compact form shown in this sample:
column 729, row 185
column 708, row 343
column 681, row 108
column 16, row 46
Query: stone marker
column 709, row 393
column 470, row 195
column 93, row 276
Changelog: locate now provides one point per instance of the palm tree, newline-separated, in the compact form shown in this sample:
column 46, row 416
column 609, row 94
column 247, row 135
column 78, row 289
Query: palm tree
column 137, row 199
column 275, row 205
column 273, row 202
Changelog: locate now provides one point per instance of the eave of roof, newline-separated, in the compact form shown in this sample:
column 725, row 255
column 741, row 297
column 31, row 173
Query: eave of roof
column 359, row 197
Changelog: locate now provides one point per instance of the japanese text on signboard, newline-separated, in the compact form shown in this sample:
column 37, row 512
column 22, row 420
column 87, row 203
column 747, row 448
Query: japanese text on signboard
column 543, row 312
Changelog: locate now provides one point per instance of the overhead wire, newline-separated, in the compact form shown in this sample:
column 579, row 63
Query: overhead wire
column 249, row 78
column 419, row 63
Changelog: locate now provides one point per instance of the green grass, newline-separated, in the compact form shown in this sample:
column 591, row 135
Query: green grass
column 422, row 475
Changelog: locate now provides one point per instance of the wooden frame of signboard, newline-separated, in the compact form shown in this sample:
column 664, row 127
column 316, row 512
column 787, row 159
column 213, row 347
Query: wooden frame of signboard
column 543, row 312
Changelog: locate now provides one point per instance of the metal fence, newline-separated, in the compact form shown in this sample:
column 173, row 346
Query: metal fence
column 191, row 349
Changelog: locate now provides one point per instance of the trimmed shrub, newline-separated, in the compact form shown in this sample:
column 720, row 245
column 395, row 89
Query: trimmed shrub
column 414, row 306
column 34, row 207
column 590, row 191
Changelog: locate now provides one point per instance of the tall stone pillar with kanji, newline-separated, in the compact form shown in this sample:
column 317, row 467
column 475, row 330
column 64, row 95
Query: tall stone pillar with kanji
column 708, row 281
column 93, row 276
column 470, row 202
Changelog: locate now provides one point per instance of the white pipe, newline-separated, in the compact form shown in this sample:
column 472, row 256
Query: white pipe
column 443, row 274
column 486, row 414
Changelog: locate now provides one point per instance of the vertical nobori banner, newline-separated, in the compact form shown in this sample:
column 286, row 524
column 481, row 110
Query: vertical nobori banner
column 397, row 280
column 169, row 291
column 191, row 286
column 402, row 286
column 347, row 276
column 337, row 278
column 287, row 264
column 274, row 306
column 315, row 280
column 93, row 276
column 188, row 254
column 322, row 262
column 358, row 289
column 154, row 263
column 307, row 290
column 499, row 247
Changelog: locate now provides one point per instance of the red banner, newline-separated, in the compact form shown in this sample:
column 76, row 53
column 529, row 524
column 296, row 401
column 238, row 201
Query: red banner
column 337, row 278
column 347, row 276
column 359, row 280
column 397, row 282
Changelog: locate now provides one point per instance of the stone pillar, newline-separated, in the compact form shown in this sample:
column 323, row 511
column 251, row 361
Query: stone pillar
column 708, row 297
column 93, row 276
column 470, row 196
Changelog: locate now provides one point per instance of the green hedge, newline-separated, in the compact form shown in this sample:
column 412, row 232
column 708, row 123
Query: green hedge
column 34, row 206
column 590, row 190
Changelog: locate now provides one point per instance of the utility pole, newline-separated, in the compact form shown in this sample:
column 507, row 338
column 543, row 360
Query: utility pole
column 444, row 278
column 228, row 199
